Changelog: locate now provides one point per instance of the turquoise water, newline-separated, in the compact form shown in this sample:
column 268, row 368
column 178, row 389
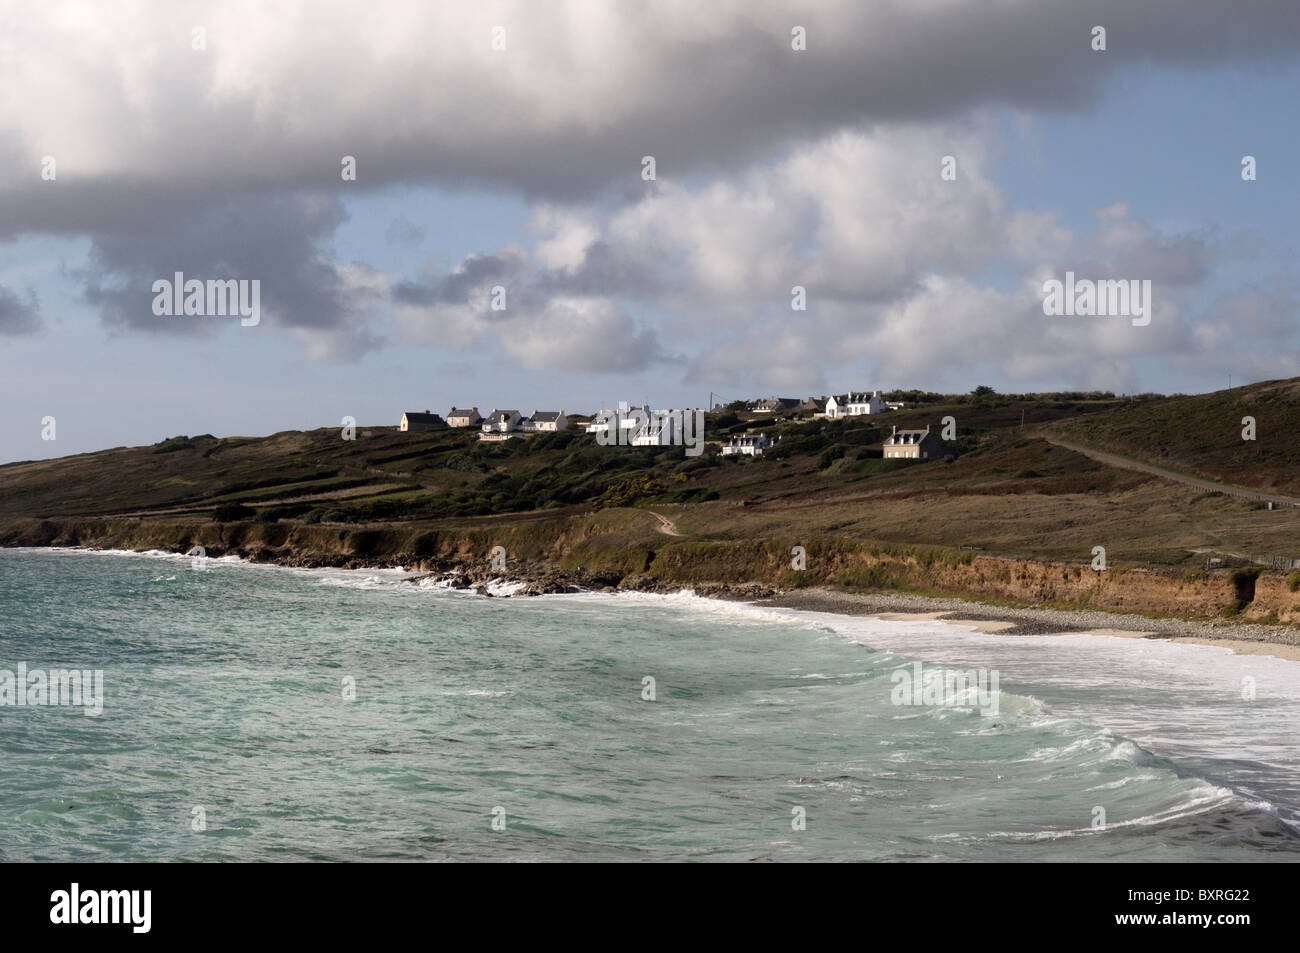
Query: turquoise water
column 224, row 691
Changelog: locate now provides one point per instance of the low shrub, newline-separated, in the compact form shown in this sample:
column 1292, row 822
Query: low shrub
column 233, row 512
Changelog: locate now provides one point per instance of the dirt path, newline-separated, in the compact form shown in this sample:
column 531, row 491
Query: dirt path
column 666, row 526
column 1112, row 460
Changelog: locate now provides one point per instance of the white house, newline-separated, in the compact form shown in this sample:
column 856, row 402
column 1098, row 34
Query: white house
column 855, row 404
column 750, row 445
column 644, row 427
column 546, row 421
column 501, row 425
column 599, row 421
column 657, row 430
column 631, row 420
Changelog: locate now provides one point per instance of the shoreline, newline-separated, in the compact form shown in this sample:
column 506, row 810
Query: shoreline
column 1246, row 638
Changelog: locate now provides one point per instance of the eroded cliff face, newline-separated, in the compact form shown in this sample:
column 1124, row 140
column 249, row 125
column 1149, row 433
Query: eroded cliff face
column 1162, row 592
column 624, row 552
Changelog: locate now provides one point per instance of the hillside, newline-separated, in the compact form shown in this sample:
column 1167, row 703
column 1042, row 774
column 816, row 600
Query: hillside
column 387, row 475
column 1202, row 435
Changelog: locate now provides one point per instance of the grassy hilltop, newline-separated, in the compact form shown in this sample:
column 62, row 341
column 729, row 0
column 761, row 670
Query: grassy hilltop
column 1202, row 435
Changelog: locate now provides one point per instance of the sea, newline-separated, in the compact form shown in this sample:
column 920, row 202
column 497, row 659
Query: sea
column 250, row 712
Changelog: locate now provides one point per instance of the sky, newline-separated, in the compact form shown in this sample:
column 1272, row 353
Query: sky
column 503, row 145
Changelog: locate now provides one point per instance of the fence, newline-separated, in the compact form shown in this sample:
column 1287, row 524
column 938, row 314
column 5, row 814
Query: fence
column 1273, row 562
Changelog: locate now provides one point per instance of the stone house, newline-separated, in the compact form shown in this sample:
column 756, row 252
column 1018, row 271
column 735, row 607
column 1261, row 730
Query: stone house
column 464, row 417
column 913, row 445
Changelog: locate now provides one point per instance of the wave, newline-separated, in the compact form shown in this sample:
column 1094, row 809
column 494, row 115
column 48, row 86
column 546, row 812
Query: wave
column 1204, row 798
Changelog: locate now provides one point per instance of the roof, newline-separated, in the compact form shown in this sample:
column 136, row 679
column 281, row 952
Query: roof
column 855, row 397
column 547, row 415
column 498, row 415
column 906, row 436
column 462, row 411
column 744, row 440
column 421, row 417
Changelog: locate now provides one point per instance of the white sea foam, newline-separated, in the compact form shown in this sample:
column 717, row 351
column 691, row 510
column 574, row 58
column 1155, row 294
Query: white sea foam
column 686, row 599
column 473, row 693
column 1202, row 798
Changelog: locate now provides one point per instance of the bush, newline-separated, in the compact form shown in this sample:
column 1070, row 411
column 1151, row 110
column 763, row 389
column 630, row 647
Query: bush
column 172, row 444
column 1243, row 582
column 629, row 492
column 830, row 456
column 273, row 514
column 232, row 512
column 1293, row 582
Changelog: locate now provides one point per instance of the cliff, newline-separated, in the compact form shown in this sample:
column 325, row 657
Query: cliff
column 631, row 549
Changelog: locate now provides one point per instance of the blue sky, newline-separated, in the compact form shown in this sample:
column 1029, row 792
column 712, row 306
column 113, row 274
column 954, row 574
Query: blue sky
column 660, row 291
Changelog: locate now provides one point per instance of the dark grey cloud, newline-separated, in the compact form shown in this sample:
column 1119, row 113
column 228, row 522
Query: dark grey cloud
column 609, row 268
column 471, row 276
column 277, row 239
column 562, row 111
column 18, row 315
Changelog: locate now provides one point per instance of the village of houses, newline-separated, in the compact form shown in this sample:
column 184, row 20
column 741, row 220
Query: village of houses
column 639, row 426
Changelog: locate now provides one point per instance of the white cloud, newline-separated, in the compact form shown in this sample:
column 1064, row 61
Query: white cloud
column 580, row 334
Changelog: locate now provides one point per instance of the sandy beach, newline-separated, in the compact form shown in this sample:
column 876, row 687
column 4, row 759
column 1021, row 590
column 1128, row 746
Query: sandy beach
column 1244, row 638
